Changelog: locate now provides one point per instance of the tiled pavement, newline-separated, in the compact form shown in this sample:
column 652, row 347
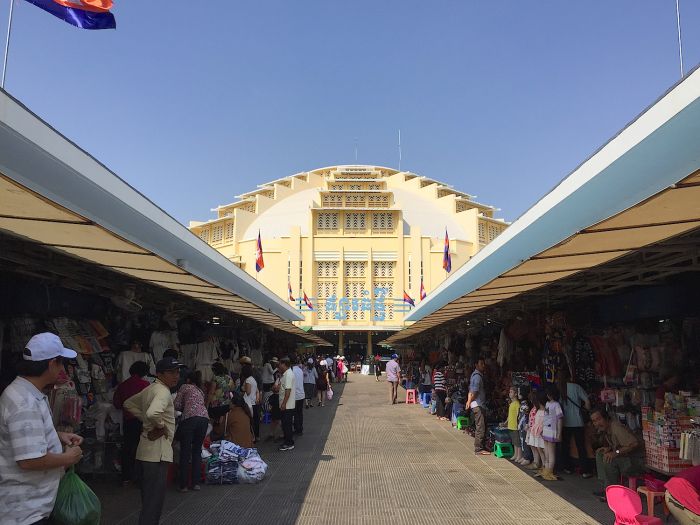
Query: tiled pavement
column 364, row 461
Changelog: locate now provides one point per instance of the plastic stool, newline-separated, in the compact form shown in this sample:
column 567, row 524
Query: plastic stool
column 426, row 399
column 411, row 396
column 631, row 481
column 463, row 422
column 651, row 496
column 503, row 450
column 267, row 418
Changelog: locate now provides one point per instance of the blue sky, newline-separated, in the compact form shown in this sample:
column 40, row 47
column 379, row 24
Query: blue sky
column 501, row 99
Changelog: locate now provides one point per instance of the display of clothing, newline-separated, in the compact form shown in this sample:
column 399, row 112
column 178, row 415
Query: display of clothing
column 161, row 341
column 584, row 361
column 128, row 358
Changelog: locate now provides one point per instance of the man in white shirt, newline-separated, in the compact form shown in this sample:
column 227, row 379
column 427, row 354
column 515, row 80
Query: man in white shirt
column 32, row 460
column 298, row 397
column 287, row 402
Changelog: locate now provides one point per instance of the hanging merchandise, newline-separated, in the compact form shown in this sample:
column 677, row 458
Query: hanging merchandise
column 161, row 341
column 631, row 371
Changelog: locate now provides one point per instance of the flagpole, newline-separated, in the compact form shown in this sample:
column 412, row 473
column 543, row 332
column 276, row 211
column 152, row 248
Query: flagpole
column 7, row 44
column 680, row 42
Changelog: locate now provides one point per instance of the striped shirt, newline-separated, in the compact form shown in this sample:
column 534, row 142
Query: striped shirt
column 26, row 432
column 439, row 381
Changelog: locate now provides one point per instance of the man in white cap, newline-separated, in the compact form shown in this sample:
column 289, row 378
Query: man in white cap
column 32, row 459
column 153, row 406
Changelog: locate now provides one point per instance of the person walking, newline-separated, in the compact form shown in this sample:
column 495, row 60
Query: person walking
column 322, row 383
column 331, row 368
column 299, row 396
column 310, row 377
column 132, row 426
column 153, row 406
column 377, row 367
column 575, row 403
column 393, row 377
column 287, row 403
column 440, row 391
column 32, row 459
column 192, row 430
column 251, row 395
column 476, row 401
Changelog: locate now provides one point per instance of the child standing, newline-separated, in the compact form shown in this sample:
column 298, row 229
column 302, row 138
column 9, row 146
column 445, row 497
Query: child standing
column 534, row 434
column 551, row 432
column 513, row 411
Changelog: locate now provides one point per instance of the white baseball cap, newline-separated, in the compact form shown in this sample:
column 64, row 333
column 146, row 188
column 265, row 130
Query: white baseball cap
column 45, row 346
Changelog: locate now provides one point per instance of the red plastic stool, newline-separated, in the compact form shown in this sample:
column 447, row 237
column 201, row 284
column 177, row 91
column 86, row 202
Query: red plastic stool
column 631, row 481
column 411, row 396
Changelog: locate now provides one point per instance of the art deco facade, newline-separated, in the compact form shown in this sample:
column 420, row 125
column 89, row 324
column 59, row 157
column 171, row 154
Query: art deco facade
column 353, row 239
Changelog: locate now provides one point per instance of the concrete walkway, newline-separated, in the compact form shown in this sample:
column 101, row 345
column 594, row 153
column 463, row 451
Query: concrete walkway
column 364, row 461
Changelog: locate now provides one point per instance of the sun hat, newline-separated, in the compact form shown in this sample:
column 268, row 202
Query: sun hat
column 310, row 360
column 245, row 360
column 45, row 346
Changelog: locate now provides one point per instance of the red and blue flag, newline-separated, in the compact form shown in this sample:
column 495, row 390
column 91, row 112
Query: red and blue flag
column 291, row 295
column 259, row 261
column 423, row 295
column 85, row 14
column 446, row 257
column 308, row 302
column 407, row 299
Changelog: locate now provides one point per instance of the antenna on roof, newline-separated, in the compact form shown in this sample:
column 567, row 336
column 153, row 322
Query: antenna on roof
column 399, row 150
column 680, row 42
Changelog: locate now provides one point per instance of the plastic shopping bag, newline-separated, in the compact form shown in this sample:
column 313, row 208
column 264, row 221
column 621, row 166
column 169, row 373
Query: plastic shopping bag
column 329, row 393
column 76, row 503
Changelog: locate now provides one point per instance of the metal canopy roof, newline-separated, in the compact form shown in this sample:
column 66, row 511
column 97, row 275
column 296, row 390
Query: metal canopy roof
column 641, row 188
column 55, row 194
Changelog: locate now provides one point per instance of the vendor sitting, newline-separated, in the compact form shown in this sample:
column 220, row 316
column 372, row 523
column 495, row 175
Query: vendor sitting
column 683, row 496
column 622, row 453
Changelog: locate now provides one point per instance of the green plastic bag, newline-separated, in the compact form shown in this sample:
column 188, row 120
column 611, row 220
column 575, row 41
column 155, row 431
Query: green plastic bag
column 76, row 503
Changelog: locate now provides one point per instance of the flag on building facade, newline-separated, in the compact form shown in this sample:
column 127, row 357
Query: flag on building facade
column 423, row 295
column 85, row 14
column 407, row 299
column 446, row 257
column 259, row 262
column 308, row 302
column 291, row 295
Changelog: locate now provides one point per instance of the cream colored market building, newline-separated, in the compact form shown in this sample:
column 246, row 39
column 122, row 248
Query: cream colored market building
column 353, row 238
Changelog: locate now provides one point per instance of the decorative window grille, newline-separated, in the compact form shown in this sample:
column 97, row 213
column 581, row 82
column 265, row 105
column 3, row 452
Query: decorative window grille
column 336, row 187
column 249, row 207
column 383, row 269
column 425, row 183
column 461, row 206
column 270, row 194
column 374, row 186
column 355, row 269
column 324, row 290
column 382, row 222
column 217, row 234
column 327, row 221
column 355, row 221
column 333, row 201
column 410, row 282
column 355, row 187
column 444, row 193
column 482, row 233
column 229, row 229
column 204, row 235
column 327, row 269
column 386, row 288
column 355, row 200
column 378, row 201
column 357, row 294
column 285, row 183
column 494, row 231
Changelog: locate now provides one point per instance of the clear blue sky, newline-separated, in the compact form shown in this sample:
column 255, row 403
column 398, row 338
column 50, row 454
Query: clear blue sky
column 194, row 103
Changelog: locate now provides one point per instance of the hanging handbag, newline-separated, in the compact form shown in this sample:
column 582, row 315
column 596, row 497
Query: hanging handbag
column 631, row 371
column 607, row 395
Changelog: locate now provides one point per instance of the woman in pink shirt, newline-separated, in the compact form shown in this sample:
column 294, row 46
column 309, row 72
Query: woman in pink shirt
column 192, row 429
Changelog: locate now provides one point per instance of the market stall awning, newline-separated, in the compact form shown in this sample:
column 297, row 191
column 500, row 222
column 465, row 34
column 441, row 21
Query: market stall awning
column 641, row 188
column 55, row 194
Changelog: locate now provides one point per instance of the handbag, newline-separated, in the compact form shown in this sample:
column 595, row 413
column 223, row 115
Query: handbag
column 607, row 395
column 329, row 393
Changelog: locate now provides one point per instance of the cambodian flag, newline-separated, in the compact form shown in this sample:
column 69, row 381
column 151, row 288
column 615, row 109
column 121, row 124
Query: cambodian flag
column 259, row 262
column 308, row 302
column 423, row 295
column 446, row 257
column 291, row 296
column 86, row 14
column 407, row 299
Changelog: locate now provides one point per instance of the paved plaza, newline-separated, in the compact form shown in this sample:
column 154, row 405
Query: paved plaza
column 363, row 461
